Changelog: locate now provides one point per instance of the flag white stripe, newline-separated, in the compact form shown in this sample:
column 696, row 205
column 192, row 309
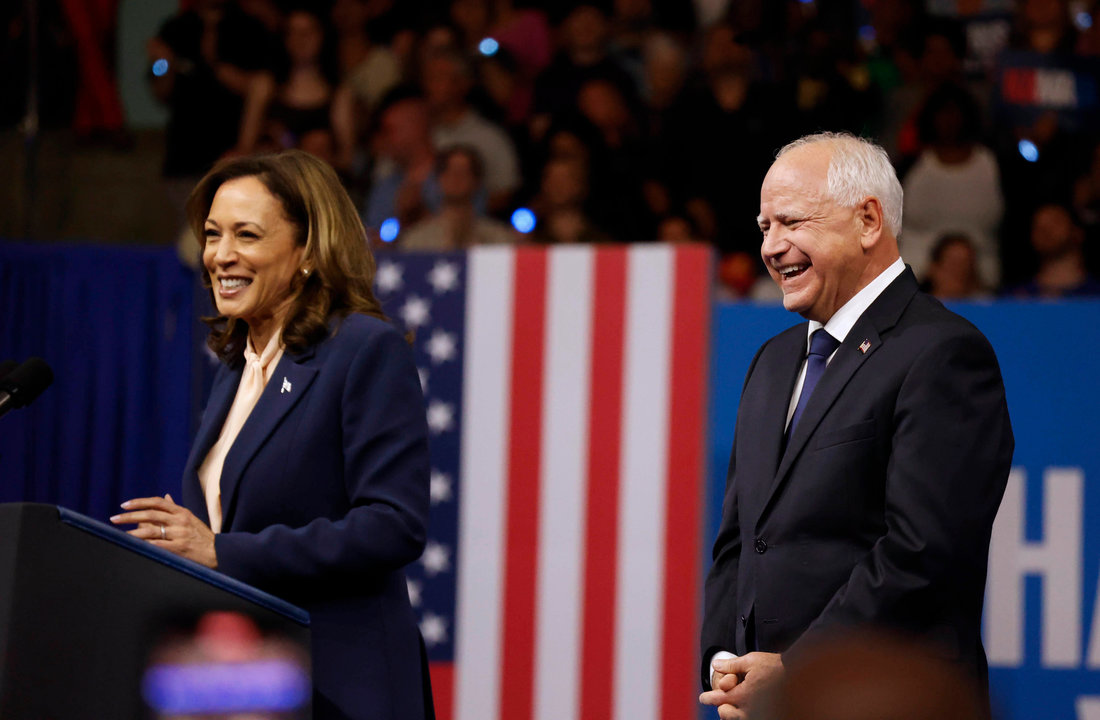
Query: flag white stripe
column 485, row 402
column 641, row 537
column 563, row 469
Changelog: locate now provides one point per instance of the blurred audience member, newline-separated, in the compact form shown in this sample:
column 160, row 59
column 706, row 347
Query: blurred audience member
column 619, row 171
column 940, row 52
column 524, row 34
column 832, row 86
column 1039, row 162
column 677, row 229
column 665, row 70
column 495, row 94
column 1058, row 241
column 954, row 185
column 666, row 67
column 458, row 224
column 446, row 80
column 559, row 206
column 369, row 70
column 737, row 275
column 404, row 145
column 1086, row 203
column 893, row 45
column 301, row 97
column 584, row 56
column 1044, row 26
column 1088, row 41
column 436, row 39
column 870, row 676
column 952, row 272
column 202, row 62
column 721, row 148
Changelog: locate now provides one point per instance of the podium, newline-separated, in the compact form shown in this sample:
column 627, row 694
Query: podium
column 84, row 605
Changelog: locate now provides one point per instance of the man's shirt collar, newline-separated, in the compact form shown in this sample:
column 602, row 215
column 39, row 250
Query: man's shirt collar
column 842, row 321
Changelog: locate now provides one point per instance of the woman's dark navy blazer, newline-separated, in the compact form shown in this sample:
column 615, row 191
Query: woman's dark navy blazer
column 324, row 501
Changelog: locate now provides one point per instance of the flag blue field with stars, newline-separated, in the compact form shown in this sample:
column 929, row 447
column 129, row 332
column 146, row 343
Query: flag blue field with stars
column 424, row 294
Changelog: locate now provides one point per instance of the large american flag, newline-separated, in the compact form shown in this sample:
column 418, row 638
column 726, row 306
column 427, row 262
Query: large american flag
column 564, row 393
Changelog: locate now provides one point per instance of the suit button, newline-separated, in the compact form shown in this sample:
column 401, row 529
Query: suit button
column 744, row 622
column 761, row 545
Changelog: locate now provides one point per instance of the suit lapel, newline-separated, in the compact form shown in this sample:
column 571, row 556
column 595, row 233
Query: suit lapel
column 287, row 386
column 778, row 370
column 860, row 344
column 774, row 416
column 217, row 407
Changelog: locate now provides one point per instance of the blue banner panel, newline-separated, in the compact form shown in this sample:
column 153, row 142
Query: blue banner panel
column 1042, row 601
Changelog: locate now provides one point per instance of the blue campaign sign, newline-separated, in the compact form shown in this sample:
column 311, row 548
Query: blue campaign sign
column 1042, row 611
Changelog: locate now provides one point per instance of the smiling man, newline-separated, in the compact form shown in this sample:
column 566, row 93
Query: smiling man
column 872, row 444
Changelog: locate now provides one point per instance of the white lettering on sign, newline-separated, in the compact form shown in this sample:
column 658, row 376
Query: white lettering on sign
column 1056, row 560
column 1088, row 707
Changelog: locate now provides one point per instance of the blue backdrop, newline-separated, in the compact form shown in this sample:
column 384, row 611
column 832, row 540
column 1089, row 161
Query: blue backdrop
column 117, row 326
column 1042, row 603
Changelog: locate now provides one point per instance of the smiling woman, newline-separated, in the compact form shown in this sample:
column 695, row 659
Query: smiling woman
column 294, row 202
column 313, row 487
column 251, row 254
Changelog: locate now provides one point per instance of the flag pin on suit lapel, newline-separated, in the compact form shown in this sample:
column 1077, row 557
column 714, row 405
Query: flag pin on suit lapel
column 863, row 348
column 286, row 386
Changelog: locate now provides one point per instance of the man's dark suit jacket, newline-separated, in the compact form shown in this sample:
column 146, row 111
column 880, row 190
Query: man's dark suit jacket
column 324, row 500
column 879, row 509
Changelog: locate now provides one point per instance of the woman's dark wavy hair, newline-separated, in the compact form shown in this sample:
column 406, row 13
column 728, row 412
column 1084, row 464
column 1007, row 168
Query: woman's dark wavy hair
column 341, row 267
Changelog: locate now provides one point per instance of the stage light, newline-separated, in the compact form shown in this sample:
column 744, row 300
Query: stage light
column 1083, row 20
column 389, row 229
column 523, row 220
column 488, row 47
column 160, row 67
column 1028, row 150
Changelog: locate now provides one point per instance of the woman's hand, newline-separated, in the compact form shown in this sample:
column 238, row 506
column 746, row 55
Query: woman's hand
column 170, row 526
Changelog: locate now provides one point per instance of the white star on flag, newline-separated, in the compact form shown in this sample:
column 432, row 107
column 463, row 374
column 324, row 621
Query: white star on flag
column 434, row 628
column 388, row 278
column 423, row 373
column 436, row 559
column 441, row 346
column 440, row 487
column 443, row 276
column 441, row 416
column 416, row 311
column 414, row 592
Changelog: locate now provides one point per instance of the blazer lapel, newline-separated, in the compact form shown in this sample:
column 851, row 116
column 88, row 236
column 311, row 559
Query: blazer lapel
column 861, row 343
column 774, row 416
column 288, row 384
column 780, row 371
column 217, row 407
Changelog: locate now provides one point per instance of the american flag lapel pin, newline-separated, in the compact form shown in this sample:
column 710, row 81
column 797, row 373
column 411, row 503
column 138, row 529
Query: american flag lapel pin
column 865, row 346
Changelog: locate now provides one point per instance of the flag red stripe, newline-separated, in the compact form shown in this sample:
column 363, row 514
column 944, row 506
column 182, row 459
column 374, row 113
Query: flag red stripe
column 685, row 470
column 522, row 504
column 601, row 525
column 443, row 681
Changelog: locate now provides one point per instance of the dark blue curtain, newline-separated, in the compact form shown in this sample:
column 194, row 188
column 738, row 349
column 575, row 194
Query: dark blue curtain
column 117, row 326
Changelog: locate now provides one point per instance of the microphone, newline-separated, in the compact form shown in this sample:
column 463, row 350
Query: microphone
column 23, row 384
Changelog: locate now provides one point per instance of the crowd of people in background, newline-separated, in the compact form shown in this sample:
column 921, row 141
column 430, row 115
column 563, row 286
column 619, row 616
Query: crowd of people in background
column 637, row 121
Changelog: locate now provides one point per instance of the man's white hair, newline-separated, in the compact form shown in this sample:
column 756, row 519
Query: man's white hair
column 858, row 169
